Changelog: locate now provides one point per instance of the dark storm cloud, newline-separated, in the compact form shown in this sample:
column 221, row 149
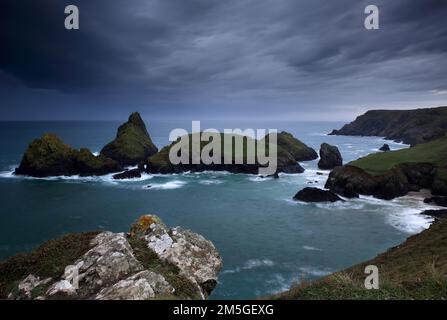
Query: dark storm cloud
column 298, row 59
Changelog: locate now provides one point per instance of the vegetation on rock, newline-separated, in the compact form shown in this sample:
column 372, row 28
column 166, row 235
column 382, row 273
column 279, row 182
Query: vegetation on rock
column 416, row 269
column 408, row 126
column 132, row 143
column 160, row 163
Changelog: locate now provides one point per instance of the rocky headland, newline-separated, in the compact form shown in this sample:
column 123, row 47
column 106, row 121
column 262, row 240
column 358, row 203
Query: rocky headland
column 407, row 126
column 413, row 270
column 388, row 175
column 151, row 261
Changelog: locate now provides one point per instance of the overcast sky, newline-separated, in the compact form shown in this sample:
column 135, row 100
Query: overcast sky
column 207, row 59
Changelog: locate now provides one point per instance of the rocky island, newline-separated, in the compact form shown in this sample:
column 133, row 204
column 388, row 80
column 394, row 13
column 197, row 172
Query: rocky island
column 133, row 146
column 289, row 149
column 151, row 261
column 407, row 126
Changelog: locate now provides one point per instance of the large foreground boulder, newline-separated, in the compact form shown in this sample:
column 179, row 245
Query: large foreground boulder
column 330, row 157
column 50, row 156
column 316, row 195
column 150, row 262
column 385, row 148
column 132, row 144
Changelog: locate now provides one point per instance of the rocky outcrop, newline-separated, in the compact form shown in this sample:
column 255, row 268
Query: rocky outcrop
column 128, row 174
column 299, row 150
column 439, row 201
column 407, row 126
column 437, row 214
column 50, row 156
column 351, row 181
column 132, row 143
column 150, row 262
column 385, row 148
column 160, row 162
column 330, row 157
column 316, row 195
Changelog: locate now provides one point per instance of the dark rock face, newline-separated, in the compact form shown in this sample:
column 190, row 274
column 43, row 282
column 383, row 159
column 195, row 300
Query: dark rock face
column 385, row 148
column 330, row 157
column 351, row 181
column 439, row 201
column 50, row 156
column 132, row 143
column 128, row 174
column 316, row 195
column 409, row 126
column 437, row 214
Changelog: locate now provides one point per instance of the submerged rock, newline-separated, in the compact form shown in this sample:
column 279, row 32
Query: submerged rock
column 316, row 195
column 330, row 157
column 385, row 148
column 50, row 156
column 132, row 144
column 150, row 262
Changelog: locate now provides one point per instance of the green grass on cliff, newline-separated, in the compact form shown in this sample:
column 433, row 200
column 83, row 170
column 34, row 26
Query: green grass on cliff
column 47, row 261
column 416, row 269
column 434, row 152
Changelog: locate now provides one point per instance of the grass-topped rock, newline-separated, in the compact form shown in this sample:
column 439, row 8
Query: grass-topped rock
column 392, row 174
column 229, row 159
column 299, row 150
column 150, row 262
column 409, row 126
column 132, row 143
column 50, row 156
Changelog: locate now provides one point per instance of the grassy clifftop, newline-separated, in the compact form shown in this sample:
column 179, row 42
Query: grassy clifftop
column 416, row 269
column 434, row 152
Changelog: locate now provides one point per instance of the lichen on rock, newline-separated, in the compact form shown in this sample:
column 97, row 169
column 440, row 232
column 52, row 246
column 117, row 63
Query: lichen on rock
column 150, row 262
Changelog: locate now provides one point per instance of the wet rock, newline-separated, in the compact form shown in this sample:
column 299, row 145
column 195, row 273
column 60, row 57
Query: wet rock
column 439, row 201
column 385, row 148
column 437, row 214
column 128, row 174
column 316, row 195
column 330, row 157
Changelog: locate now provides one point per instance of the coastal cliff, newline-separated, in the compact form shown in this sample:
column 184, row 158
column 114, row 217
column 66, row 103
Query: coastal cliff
column 407, row 126
column 151, row 261
column 388, row 175
column 415, row 269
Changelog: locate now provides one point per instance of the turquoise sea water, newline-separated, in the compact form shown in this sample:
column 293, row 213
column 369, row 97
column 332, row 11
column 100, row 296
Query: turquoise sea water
column 267, row 241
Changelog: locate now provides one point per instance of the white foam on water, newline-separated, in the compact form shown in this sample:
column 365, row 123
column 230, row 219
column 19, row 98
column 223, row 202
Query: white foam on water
column 210, row 182
column 310, row 248
column 259, row 179
column 176, row 184
column 251, row 264
column 313, row 271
